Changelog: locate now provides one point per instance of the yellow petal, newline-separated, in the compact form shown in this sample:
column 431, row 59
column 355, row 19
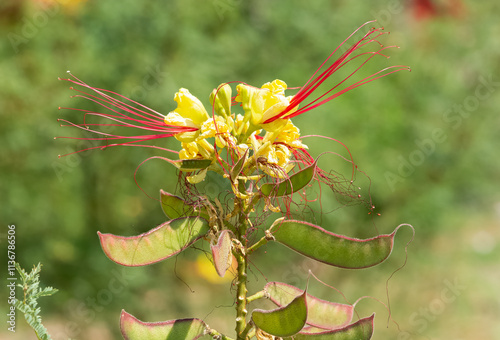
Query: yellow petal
column 188, row 106
column 276, row 86
column 174, row 118
column 290, row 135
column 189, row 151
column 263, row 103
column 209, row 128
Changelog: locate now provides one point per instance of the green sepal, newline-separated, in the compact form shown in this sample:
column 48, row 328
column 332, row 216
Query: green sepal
column 235, row 171
column 181, row 329
column 283, row 321
column 290, row 185
column 333, row 249
column 193, row 164
column 164, row 241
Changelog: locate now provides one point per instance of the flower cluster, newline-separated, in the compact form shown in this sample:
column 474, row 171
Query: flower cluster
column 273, row 142
column 262, row 132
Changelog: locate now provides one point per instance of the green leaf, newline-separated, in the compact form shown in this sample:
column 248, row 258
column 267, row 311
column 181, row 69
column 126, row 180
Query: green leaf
column 360, row 330
column 333, row 249
column 221, row 253
column 29, row 305
column 290, row 185
column 182, row 329
column 164, row 241
column 283, row 321
column 194, row 164
column 235, row 171
column 320, row 313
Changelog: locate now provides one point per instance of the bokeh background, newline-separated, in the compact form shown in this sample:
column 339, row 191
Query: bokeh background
column 428, row 140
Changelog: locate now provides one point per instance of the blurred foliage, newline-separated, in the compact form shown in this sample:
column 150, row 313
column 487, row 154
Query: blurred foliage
column 148, row 49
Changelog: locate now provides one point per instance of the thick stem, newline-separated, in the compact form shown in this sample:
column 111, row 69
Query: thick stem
column 249, row 327
column 240, row 252
column 241, row 295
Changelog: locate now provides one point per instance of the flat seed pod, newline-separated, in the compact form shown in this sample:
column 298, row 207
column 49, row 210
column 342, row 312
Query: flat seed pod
column 337, row 250
column 283, row 321
column 221, row 253
column 293, row 184
column 360, row 330
column 164, row 241
column 320, row 313
column 182, row 329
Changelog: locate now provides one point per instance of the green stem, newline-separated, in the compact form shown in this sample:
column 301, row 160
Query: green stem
column 251, row 334
column 214, row 333
column 266, row 238
column 248, row 328
column 256, row 296
column 258, row 244
column 240, row 252
column 241, row 295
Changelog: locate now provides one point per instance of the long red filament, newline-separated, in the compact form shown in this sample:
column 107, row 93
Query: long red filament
column 347, row 57
column 123, row 115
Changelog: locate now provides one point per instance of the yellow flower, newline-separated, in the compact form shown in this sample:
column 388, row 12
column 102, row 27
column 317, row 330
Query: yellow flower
column 264, row 103
column 189, row 112
column 209, row 128
column 278, row 159
column 275, row 154
column 189, row 151
column 279, row 154
column 290, row 135
column 240, row 124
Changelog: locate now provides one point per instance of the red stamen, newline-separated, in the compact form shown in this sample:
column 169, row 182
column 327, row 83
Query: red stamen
column 126, row 113
column 313, row 83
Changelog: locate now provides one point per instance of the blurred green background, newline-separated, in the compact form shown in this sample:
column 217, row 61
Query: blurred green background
column 428, row 140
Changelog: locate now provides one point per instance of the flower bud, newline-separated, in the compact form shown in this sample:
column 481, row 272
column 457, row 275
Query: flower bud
column 220, row 99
